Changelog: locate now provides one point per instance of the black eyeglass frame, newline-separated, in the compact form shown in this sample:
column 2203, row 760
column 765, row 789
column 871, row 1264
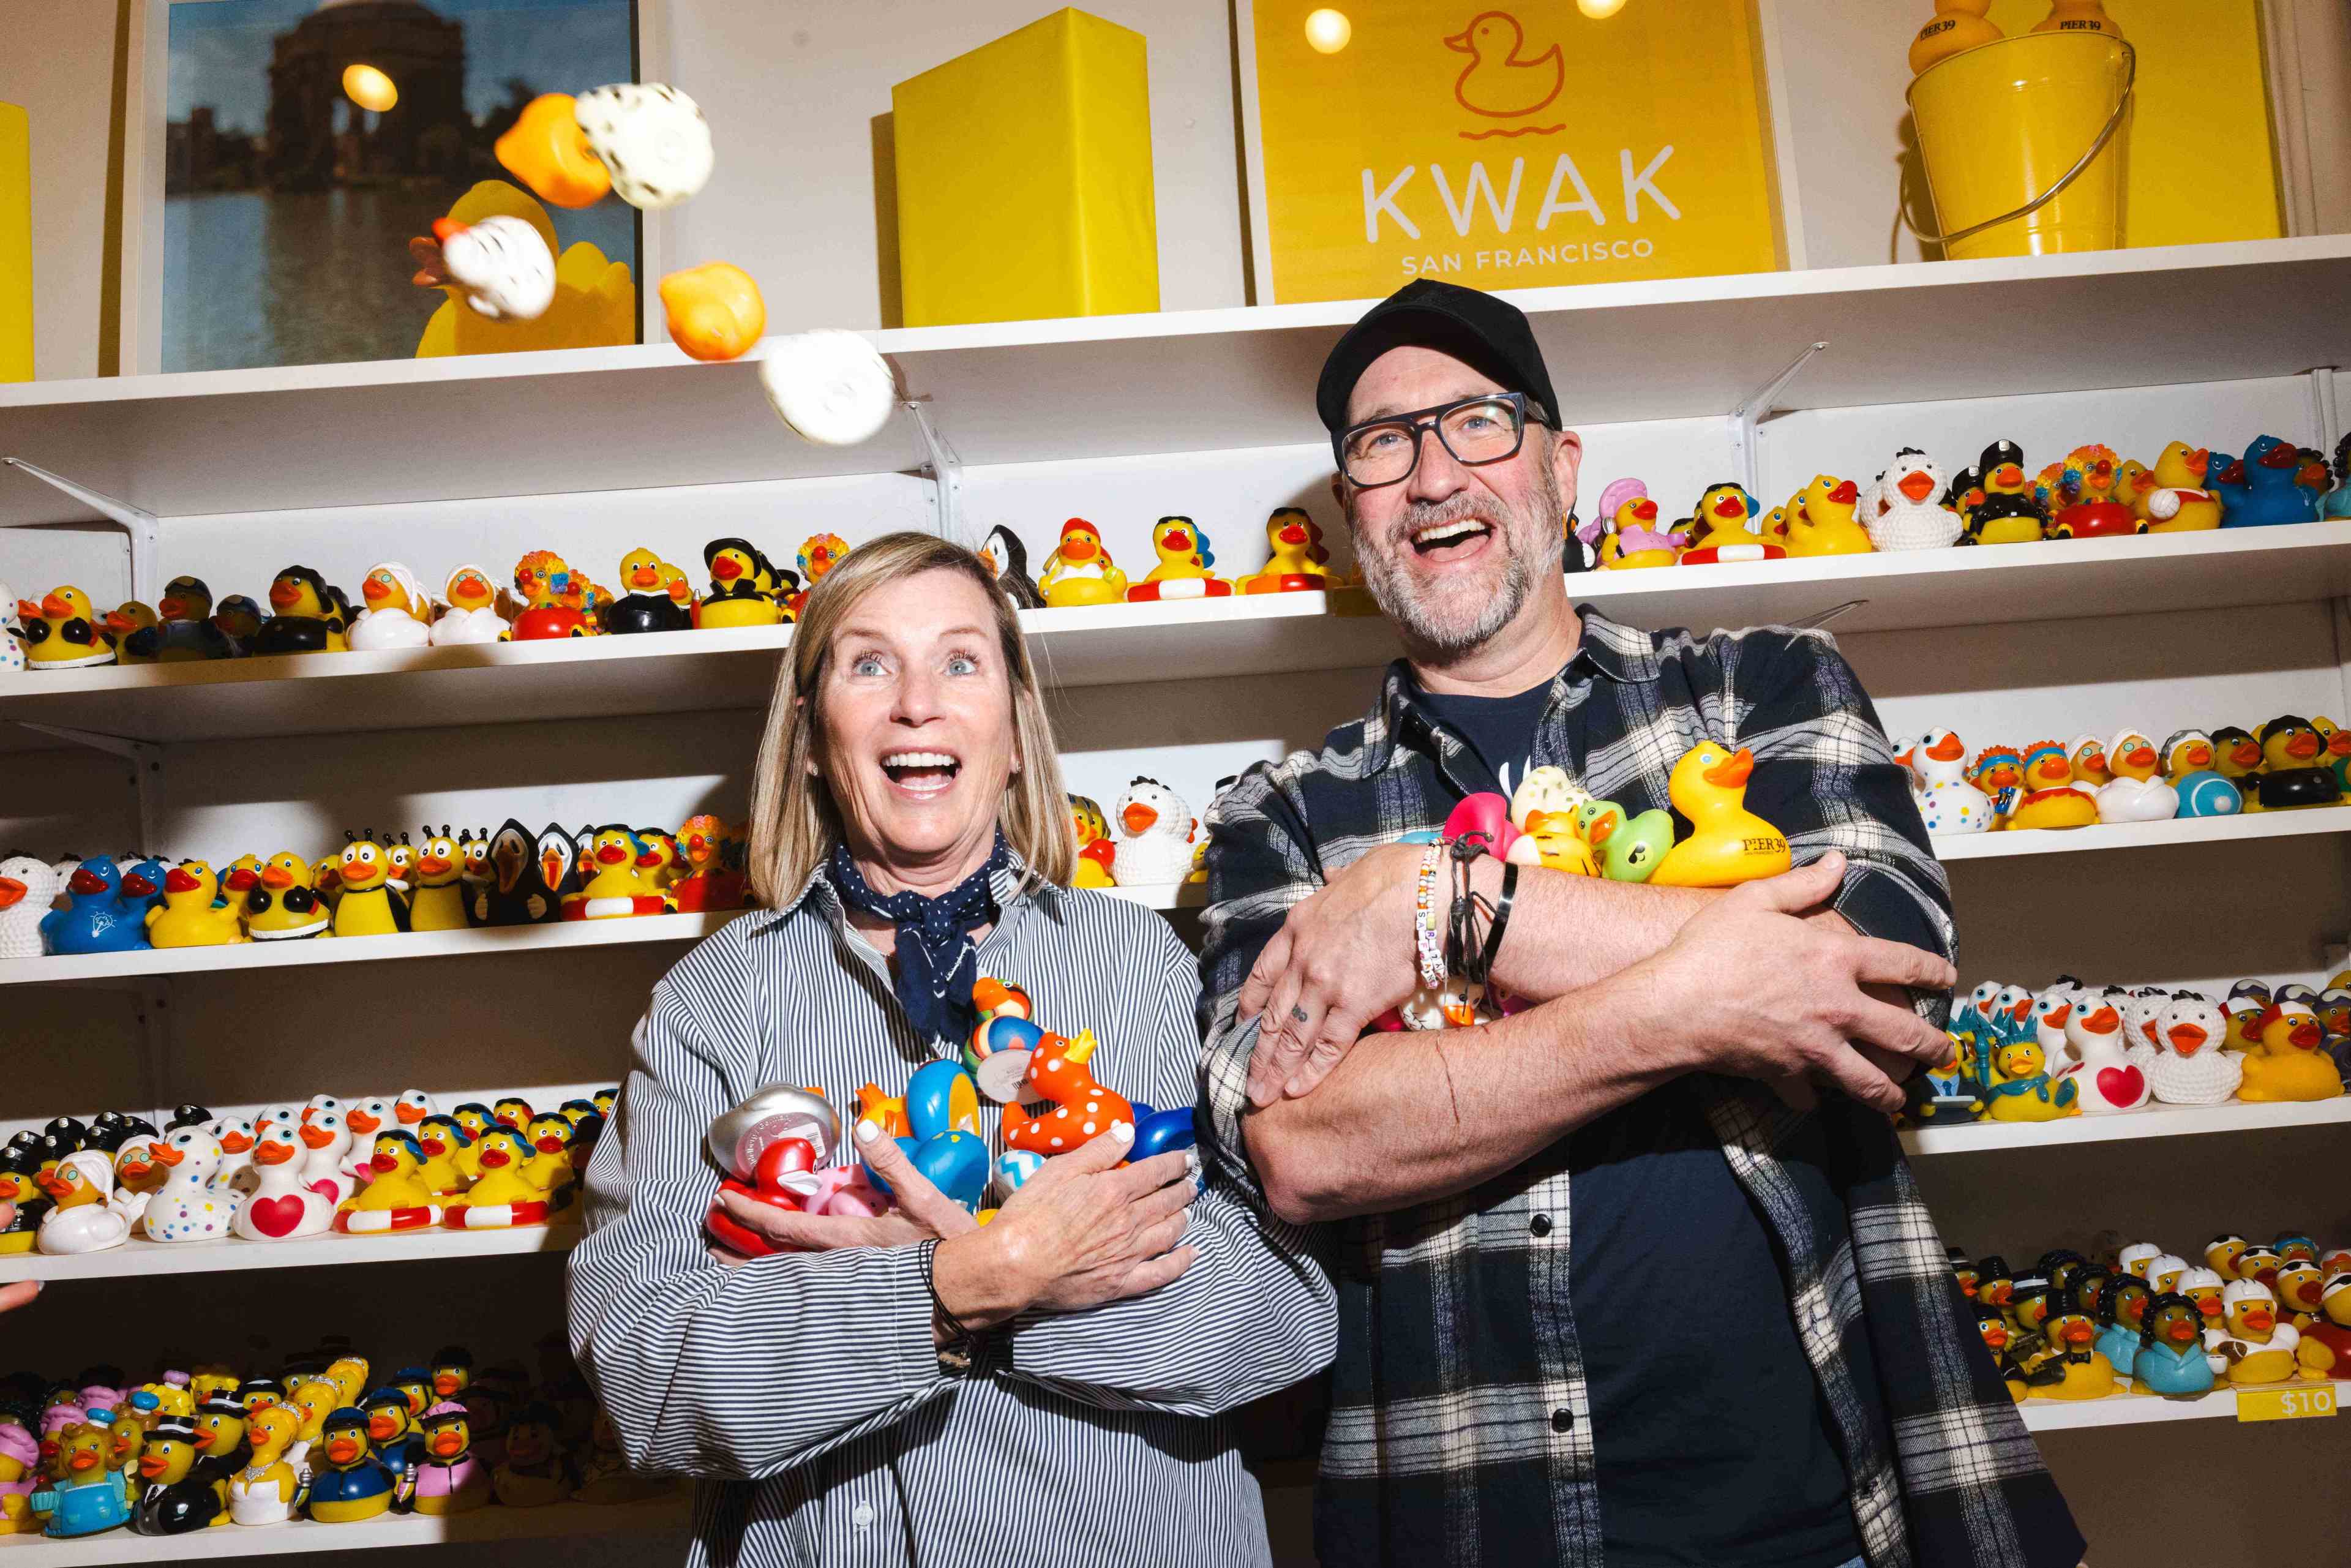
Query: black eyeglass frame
column 1421, row 420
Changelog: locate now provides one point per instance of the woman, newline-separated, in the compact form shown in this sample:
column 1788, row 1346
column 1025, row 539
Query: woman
column 918, row 1388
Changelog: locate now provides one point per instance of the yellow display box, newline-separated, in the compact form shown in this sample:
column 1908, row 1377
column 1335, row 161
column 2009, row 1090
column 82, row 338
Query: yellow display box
column 16, row 245
column 1024, row 178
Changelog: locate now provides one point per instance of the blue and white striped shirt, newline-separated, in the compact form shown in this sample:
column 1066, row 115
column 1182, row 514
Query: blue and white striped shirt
column 803, row 1390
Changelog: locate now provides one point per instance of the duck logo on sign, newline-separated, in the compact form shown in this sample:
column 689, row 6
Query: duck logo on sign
column 1501, row 81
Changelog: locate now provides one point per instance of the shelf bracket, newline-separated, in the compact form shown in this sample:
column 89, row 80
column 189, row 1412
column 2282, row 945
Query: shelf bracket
column 146, row 759
column 2325, row 411
column 1747, row 420
column 143, row 536
column 944, row 469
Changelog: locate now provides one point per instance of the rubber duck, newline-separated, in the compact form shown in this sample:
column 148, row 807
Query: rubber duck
column 1080, row 571
column 82, row 1496
column 2021, row 1088
column 546, row 150
column 440, row 1140
column 1727, row 525
column 473, row 1119
column 2005, row 508
column 1727, row 843
column 2082, row 1372
column 2258, row 1262
column 128, row 622
column 2271, row 497
column 543, row 586
column 185, row 631
column 1095, row 849
column 653, row 139
column 172, row 1497
column 2287, row 1064
column 1630, row 537
column 2251, row 1344
column 28, row 886
column 1821, row 521
column 2174, row 500
column 1059, row 1071
column 61, row 632
column 449, row 1478
column 702, row 884
column 2109, row 1080
column 265, row 1490
column 187, row 1209
column 646, row 603
column 2238, row 756
column 605, row 1477
column 397, row 1197
column 1629, row 849
column 1295, row 557
column 472, row 614
column 1900, row 509
column 2135, row 794
column 2295, row 772
column 2171, row 1360
column 2121, row 1317
column 620, row 883
column 1151, row 831
column 1947, row 800
column 502, row 1197
column 2297, row 1287
column 393, row 1439
column 1957, row 24
column 2050, row 799
column 2333, row 1331
column 531, row 1472
column 1183, row 572
column 2192, row 1068
column 235, row 1173
column 188, row 916
column 306, row 615
column 78, row 1218
column 714, row 312
column 20, row 1185
column 328, row 1141
column 367, row 905
column 1009, row 558
column 1500, row 82
column 512, row 1112
column 820, row 553
column 397, row 613
column 2189, row 759
column 548, row 1134
column 2086, row 499
column 349, row 1483
column 2336, row 748
column 282, row 1207
column 282, row 904
column 528, row 878
column 451, row 1373
column 734, row 600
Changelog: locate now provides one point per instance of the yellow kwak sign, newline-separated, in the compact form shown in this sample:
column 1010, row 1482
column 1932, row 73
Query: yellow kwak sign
column 1506, row 147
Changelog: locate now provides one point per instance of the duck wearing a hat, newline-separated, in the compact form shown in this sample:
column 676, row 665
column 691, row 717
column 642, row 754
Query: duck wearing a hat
column 349, row 1483
column 1080, row 570
column 449, row 1478
column 176, row 1494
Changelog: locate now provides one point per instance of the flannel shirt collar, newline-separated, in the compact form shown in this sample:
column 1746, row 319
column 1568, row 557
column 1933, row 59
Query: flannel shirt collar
column 1624, row 654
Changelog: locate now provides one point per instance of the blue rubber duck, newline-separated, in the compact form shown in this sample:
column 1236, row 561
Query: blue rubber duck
column 142, row 885
column 2224, row 476
column 96, row 919
column 2271, row 497
column 2122, row 1315
column 2171, row 1359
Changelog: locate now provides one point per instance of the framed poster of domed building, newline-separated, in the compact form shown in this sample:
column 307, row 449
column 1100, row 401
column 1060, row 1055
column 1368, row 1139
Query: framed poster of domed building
column 286, row 152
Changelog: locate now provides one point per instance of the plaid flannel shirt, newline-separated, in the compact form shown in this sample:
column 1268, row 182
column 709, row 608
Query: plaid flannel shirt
column 1460, row 1428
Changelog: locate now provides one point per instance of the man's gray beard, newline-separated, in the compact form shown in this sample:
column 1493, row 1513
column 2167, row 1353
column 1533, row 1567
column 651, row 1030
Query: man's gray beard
column 1399, row 599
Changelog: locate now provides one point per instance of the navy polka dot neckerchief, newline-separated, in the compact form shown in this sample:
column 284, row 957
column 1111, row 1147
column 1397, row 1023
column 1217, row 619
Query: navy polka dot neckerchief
column 937, row 961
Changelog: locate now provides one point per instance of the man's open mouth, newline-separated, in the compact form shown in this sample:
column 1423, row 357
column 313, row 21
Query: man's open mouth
column 1449, row 539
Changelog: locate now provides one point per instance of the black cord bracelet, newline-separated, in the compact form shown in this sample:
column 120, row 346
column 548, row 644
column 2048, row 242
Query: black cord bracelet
column 956, row 1355
column 1501, row 919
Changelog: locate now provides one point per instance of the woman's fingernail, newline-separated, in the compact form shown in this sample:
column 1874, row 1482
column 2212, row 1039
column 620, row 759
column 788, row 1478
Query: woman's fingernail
column 1123, row 1131
column 868, row 1131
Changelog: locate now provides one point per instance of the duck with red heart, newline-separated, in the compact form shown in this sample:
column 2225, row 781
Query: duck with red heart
column 281, row 1207
column 2109, row 1080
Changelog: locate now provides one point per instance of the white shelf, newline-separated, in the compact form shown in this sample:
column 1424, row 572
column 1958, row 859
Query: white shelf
column 606, row 419
column 2127, row 1410
column 1949, row 848
column 157, row 962
column 655, row 1516
column 2151, row 1121
column 1205, row 639
column 141, row 1259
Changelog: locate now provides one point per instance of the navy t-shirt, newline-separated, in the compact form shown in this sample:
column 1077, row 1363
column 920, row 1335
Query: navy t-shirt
column 1713, row 1445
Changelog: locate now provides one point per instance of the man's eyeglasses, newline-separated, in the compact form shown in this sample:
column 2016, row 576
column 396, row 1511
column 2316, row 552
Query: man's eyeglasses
column 1476, row 430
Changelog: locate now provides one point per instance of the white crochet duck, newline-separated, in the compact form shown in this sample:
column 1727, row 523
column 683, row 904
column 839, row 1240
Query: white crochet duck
column 1151, row 832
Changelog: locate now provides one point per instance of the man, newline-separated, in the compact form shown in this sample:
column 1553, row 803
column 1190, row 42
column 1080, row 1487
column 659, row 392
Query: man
column 1636, row 1276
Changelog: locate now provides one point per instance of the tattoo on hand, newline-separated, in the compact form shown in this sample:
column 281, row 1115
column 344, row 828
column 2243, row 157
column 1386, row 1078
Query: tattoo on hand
column 1298, row 1014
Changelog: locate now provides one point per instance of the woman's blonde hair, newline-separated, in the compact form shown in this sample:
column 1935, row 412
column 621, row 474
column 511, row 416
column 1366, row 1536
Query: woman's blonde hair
column 794, row 821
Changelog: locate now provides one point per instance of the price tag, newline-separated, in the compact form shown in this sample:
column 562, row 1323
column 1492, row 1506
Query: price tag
column 2289, row 1402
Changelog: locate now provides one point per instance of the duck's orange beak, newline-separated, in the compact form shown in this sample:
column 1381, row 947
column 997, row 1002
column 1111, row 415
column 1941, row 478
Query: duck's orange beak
column 1138, row 816
column 1918, row 486
column 1459, row 43
column 56, row 607
column 1947, row 749
column 1731, row 772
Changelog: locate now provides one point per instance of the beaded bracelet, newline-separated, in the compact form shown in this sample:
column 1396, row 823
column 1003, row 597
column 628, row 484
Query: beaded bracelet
column 1426, row 940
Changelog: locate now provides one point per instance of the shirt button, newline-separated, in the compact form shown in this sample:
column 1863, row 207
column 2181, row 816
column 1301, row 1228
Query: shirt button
column 1563, row 1420
column 1540, row 1225
column 861, row 1516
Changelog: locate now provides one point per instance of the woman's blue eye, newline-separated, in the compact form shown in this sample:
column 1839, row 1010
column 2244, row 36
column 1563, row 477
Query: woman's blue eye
column 963, row 664
column 868, row 665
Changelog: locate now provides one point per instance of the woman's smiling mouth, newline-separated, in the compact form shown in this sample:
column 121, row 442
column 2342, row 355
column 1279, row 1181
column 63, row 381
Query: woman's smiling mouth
column 923, row 774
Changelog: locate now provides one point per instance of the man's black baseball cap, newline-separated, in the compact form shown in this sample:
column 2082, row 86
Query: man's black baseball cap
column 1491, row 336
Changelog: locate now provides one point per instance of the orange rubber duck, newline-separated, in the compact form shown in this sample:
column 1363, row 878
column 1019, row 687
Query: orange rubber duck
column 1083, row 1108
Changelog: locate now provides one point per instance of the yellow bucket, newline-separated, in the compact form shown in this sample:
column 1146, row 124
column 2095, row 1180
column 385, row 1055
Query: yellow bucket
column 2020, row 143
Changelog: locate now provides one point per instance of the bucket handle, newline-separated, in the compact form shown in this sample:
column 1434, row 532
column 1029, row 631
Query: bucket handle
column 2114, row 123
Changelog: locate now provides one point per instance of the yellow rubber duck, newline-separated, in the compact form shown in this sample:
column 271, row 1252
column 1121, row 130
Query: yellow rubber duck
column 2022, row 1091
column 263, row 1491
column 1080, row 571
column 1184, row 556
column 1557, row 842
column 550, row 1165
column 367, row 905
column 1957, row 24
column 271, row 908
column 503, row 1196
column 188, row 917
column 620, row 883
column 1631, row 538
column 736, row 568
column 2016, row 518
column 2070, row 1332
column 397, row 1198
column 438, row 902
column 2177, row 502
column 62, row 631
column 441, row 1139
column 2288, row 1063
column 2077, row 17
column 713, row 311
column 124, row 622
column 1497, row 82
column 595, row 298
column 1725, row 514
column 1095, row 847
column 2256, row 1347
column 1296, row 557
column 1727, row 843
column 1821, row 520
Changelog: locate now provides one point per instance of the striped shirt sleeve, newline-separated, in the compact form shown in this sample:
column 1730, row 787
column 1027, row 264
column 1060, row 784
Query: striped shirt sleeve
column 1253, row 1315
column 717, row 1372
